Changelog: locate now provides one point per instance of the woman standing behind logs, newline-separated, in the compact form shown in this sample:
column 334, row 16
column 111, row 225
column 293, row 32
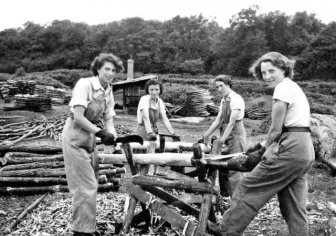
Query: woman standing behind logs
column 150, row 109
column 230, row 123
column 92, row 99
column 281, row 166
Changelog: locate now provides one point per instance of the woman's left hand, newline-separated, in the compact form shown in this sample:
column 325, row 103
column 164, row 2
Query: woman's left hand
column 109, row 149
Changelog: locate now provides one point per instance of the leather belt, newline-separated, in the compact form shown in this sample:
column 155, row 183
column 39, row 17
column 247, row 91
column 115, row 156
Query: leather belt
column 296, row 129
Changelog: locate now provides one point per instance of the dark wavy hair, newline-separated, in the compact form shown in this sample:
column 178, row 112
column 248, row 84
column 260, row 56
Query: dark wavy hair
column 100, row 60
column 278, row 60
column 226, row 79
column 153, row 82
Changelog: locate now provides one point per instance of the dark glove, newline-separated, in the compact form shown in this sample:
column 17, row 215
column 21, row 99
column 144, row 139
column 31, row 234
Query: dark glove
column 253, row 148
column 176, row 138
column 254, row 158
column 152, row 136
column 204, row 139
column 106, row 137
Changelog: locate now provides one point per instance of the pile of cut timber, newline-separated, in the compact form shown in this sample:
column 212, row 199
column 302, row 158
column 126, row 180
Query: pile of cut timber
column 31, row 173
column 13, row 133
column 196, row 102
column 257, row 113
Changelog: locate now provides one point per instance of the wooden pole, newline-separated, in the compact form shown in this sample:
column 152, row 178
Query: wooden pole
column 34, row 165
column 172, row 200
column 24, row 213
column 167, row 159
column 59, row 172
column 17, row 181
column 169, row 146
column 47, row 189
column 10, row 159
column 175, row 219
column 188, row 185
column 132, row 200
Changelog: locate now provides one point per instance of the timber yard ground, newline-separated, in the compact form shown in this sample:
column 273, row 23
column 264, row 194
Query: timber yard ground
column 322, row 188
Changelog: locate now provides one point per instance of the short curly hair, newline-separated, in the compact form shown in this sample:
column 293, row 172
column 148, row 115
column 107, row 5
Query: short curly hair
column 153, row 82
column 278, row 60
column 226, row 79
column 100, row 60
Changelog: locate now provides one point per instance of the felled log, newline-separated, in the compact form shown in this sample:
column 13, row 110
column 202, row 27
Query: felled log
column 11, row 159
column 44, row 145
column 169, row 146
column 23, row 214
column 47, row 189
column 189, row 185
column 41, row 181
column 34, row 165
column 172, row 200
column 60, row 172
column 175, row 219
column 169, row 174
column 168, row 159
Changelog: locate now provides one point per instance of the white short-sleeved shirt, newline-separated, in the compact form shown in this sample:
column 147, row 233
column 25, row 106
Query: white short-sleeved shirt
column 236, row 103
column 298, row 112
column 145, row 103
column 88, row 88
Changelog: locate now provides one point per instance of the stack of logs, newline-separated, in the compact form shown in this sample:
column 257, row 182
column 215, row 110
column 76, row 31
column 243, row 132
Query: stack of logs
column 30, row 130
column 31, row 158
column 32, row 173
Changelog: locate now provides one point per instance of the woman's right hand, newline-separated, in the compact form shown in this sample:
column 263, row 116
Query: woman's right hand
column 151, row 136
column 204, row 139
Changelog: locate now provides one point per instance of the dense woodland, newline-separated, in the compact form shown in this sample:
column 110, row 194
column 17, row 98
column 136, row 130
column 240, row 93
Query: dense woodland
column 180, row 45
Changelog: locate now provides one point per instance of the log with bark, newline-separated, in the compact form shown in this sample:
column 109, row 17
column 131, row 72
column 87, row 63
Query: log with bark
column 48, row 189
column 169, row 146
column 44, row 145
column 59, row 172
column 12, row 159
column 169, row 159
column 43, row 181
column 183, row 184
column 34, row 165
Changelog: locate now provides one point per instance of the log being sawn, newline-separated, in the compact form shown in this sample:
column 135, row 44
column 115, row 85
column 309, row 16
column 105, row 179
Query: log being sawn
column 169, row 146
column 170, row 159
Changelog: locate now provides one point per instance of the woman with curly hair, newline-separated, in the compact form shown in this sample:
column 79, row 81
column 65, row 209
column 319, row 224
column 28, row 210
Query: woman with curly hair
column 92, row 99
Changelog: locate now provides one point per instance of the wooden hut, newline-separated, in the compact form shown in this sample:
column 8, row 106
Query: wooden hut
column 133, row 89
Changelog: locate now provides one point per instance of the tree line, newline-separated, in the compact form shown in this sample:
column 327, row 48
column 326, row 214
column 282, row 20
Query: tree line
column 180, row 45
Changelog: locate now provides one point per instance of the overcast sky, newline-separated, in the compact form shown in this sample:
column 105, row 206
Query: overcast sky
column 14, row 13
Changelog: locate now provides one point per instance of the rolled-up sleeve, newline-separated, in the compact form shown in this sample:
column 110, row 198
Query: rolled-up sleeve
column 80, row 94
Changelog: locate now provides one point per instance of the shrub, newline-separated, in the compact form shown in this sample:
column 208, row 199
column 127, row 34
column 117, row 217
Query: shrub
column 20, row 72
column 192, row 66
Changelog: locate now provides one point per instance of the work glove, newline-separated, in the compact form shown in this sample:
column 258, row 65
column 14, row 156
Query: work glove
column 204, row 139
column 253, row 148
column 152, row 136
column 254, row 158
column 176, row 138
column 106, row 137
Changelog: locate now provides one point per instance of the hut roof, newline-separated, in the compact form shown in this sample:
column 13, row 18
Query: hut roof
column 142, row 79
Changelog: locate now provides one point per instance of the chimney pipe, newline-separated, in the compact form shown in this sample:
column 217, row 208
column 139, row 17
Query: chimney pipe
column 130, row 69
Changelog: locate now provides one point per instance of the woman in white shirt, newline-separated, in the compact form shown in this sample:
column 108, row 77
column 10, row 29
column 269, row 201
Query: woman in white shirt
column 150, row 109
column 281, row 166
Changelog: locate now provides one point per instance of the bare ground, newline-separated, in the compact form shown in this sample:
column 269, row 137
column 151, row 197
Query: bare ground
column 52, row 217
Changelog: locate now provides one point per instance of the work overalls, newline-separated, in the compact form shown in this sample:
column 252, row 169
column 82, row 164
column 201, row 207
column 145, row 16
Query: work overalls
column 282, row 171
column 236, row 142
column 81, row 165
column 154, row 116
